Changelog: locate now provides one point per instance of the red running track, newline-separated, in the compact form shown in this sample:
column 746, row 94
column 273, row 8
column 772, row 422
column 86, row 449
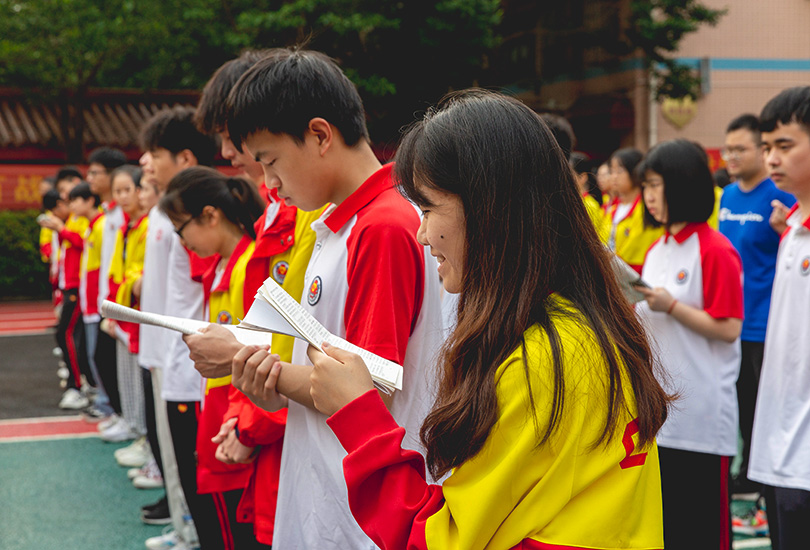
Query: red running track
column 57, row 427
column 20, row 318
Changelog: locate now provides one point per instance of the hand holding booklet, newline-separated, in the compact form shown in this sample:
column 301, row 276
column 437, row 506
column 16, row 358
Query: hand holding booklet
column 272, row 311
column 628, row 279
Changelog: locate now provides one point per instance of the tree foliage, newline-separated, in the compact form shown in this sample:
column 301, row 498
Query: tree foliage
column 402, row 55
column 657, row 28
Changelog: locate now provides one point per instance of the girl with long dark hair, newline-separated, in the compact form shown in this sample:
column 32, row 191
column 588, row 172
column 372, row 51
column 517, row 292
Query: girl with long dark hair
column 547, row 404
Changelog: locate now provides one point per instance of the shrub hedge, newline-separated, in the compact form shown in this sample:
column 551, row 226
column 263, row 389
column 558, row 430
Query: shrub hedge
column 23, row 274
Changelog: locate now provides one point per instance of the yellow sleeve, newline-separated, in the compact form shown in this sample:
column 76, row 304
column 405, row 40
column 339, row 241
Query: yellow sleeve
column 297, row 257
column 133, row 266
column 714, row 220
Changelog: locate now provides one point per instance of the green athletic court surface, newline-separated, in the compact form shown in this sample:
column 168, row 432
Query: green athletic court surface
column 69, row 494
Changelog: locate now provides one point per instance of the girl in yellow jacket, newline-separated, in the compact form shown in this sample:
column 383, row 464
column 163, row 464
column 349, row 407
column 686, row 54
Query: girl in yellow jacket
column 547, row 405
column 628, row 237
column 126, row 268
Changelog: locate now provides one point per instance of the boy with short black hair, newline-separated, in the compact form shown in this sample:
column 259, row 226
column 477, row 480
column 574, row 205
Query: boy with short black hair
column 780, row 443
column 171, row 284
column 745, row 210
column 368, row 281
column 70, row 330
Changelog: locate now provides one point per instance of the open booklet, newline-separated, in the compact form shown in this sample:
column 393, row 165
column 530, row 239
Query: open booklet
column 628, row 279
column 272, row 311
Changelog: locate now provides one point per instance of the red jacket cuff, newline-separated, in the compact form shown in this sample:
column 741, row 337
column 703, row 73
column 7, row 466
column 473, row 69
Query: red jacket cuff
column 361, row 420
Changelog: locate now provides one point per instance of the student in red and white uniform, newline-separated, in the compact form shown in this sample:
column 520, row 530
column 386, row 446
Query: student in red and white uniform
column 214, row 216
column 368, row 280
column 780, row 444
column 171, row 143
column 545, row 380
column 284, row 242
column 694, row 317
column 627, row 234
column 69, row 229
column 101, row 163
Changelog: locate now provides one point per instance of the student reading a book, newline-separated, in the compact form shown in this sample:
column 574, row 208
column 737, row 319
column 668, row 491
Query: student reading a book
column 284, row 243
column 548, row 405
column 214, row 217
column 694, row 315
column 368, row 281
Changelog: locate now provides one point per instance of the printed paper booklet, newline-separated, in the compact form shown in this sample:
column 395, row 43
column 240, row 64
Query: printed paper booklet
column 272, row 311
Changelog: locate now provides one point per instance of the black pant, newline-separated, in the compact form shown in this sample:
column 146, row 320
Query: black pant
column 151, row 419
column 106, row 366
column 70, row 338
column 788, row 513
column 214, row 514
column 747, row 387
column 695, row 492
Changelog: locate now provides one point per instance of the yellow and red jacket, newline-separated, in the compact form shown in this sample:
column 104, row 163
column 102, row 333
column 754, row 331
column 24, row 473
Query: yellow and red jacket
column 633, row 239
column 224, row 306
column 91, row 267
column 126, row 267
column 514, row 493
column 597, row 215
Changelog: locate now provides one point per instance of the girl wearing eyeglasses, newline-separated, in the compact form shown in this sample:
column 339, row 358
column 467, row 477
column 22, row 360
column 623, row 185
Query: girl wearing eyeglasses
column 214, row 215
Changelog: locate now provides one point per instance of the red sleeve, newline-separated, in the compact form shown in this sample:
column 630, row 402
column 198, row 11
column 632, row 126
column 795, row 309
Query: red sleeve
column 722, row 277
column 388, row 494
column 45, row 252
column 256, row 426
column 385, row 273
column 72, row 237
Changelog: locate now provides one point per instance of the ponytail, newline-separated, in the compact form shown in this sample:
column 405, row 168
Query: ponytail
column 193, row 189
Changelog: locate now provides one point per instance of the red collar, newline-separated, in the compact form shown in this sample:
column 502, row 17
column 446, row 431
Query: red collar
column 684, row 233
column 225, row 281
column 793, row 209
column 378, row 182
column 629, row 212
column 279, row 236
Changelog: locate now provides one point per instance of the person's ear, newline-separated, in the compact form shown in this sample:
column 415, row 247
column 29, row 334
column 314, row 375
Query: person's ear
column 210, row 214
column 322, row 132
column 185, row 159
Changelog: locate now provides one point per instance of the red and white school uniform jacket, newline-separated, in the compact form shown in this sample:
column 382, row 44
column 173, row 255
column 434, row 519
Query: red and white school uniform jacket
column 223, row 301
column 113, row 220
column 154, row 340
column 284, row 242
column 780, row 444
column 184, row 298
column 370, row 282
column 699, row 267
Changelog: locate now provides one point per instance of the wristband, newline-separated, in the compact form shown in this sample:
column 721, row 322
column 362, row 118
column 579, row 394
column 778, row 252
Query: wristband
column 671, row 307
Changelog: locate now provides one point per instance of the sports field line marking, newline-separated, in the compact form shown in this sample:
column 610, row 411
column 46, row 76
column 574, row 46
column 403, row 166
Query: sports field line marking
column 751, row 543
column 18, row 439
column 27, row 332
column 41, row 419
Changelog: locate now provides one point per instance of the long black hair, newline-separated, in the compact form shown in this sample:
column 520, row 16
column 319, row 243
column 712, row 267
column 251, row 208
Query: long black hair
column 527, row 235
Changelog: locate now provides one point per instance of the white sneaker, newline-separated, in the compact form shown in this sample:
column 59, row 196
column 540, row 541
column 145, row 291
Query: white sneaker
column 135, row 455
column 132, row 473
column 120, row 431
column 151, row 478
column 73, row 399
column 167, row 541
column 109, row 421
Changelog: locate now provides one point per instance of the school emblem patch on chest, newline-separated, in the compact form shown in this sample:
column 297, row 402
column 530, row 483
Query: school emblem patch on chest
column 804, row 267
column 280, row 271
column 224, row 318
column 314, row 295
column 682, row 277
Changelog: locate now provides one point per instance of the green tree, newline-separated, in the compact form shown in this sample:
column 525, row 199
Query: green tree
column 657, row 27
column 402, row 55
